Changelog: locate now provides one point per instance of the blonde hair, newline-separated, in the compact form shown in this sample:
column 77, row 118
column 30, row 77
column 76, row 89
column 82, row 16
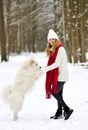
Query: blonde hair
column 50, row 49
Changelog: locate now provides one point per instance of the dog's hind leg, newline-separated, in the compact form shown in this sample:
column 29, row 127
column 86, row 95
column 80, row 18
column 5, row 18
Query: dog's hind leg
column 17, row 109
column 15, row 116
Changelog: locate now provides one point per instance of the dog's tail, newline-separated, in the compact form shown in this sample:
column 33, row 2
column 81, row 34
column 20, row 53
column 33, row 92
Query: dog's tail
column 6, row 93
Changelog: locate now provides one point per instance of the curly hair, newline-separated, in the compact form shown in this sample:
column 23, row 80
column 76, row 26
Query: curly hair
column 50, row 49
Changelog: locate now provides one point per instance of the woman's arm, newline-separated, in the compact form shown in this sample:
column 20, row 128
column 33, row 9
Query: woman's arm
column 59, row 58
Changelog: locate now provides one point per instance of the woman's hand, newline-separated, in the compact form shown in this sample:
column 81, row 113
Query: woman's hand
column 44, row 69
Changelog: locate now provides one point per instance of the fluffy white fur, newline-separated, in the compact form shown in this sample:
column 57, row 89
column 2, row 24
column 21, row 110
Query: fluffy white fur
column 14, row 93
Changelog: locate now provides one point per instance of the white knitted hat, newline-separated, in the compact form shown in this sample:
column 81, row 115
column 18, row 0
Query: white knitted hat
column 52, row 34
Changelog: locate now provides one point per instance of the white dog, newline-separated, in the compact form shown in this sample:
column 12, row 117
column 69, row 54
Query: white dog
column 14, row 94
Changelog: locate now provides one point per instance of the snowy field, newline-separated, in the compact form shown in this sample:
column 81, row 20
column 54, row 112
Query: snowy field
column 36, row 111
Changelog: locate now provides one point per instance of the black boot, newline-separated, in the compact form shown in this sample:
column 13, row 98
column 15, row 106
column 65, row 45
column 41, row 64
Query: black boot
column 68, row 113
column 58, row 115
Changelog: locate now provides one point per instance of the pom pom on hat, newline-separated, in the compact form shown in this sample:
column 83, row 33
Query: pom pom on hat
column 52, row 34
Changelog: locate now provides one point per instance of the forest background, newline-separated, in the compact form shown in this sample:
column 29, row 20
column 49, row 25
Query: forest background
column 24, row 25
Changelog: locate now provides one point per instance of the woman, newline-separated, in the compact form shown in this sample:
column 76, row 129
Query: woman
column 57, row 74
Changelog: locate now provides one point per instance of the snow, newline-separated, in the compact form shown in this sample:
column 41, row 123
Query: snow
column 36, row 111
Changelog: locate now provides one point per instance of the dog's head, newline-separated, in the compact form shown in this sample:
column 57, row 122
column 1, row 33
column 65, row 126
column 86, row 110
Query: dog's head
column 34, row 64
column 33, row 67
column 36, row 69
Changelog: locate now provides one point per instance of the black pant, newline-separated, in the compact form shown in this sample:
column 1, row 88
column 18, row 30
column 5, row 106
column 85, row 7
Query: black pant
column 59, row 96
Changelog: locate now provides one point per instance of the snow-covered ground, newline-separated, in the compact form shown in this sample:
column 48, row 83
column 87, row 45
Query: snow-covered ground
column 36, row 111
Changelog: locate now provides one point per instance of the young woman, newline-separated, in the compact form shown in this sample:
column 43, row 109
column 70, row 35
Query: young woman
column 57, row 74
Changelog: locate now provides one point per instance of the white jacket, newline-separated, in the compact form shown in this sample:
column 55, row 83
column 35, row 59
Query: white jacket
column 61, row 63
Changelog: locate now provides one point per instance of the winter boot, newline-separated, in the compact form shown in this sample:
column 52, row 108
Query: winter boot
column 58, row 115
column 68, row 113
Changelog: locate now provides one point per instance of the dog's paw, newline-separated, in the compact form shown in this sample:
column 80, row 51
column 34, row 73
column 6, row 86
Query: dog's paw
column 15, row 118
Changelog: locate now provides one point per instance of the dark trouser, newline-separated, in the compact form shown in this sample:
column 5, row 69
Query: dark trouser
column 59, row 97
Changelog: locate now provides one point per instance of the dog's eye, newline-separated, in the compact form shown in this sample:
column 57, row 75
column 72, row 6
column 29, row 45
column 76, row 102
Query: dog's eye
column 36, row 64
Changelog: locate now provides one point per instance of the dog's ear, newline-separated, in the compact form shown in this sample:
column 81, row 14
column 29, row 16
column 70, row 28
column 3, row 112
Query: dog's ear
column 31, row 62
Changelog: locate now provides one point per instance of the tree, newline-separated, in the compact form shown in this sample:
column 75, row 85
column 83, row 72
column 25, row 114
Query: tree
column 75, row 17
column 2, row 34
column 27, row 23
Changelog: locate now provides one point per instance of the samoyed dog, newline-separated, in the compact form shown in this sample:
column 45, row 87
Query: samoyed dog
column 14, row 93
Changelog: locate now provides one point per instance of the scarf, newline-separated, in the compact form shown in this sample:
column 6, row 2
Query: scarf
column 52, row 75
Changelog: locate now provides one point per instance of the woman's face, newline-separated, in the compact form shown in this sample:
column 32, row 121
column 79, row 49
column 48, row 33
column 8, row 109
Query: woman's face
column 52, row 40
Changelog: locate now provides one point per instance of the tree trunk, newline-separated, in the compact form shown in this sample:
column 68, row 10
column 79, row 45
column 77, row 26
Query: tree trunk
column 2, row 34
